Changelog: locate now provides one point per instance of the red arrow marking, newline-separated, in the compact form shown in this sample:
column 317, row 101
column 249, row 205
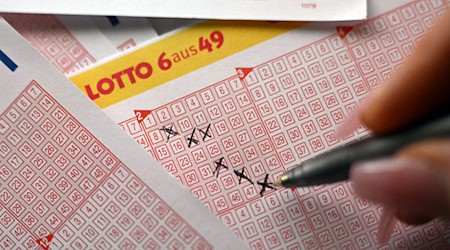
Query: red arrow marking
column 45, row 242
column 142, row 114
column 343, row 31
column 243, row 72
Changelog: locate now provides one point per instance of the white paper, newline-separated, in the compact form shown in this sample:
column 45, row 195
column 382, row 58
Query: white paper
column 72, row 179
column 318, row 10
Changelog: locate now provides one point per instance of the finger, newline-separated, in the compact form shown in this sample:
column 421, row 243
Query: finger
column 419, row 87
column 415, row 181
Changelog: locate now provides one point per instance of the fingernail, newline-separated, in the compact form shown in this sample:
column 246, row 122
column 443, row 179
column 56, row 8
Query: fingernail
column 386, row 226
column 405, row 184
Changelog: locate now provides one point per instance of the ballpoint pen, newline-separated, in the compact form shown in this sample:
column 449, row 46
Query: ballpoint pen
column 335, row 165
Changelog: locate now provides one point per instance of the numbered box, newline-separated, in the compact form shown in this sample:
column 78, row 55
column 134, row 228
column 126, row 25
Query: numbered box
column 265, row 72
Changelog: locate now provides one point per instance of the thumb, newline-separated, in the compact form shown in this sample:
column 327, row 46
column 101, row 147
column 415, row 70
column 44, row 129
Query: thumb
column 416, row 182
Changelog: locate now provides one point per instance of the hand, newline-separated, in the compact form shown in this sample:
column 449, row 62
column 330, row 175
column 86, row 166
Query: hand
column 415, row 183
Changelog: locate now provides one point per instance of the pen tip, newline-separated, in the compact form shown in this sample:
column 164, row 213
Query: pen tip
column 279, row 181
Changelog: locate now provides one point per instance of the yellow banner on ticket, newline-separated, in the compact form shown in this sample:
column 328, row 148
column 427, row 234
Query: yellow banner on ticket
column 172, row 57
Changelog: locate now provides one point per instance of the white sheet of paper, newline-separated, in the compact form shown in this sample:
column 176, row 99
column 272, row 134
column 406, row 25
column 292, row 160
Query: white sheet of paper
column 319, row 10
column 70, row 178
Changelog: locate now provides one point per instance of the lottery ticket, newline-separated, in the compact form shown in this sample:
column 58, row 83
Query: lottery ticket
column 230, row 109
column 125, row 32
column 319, row 10
column 71, row 179
column 69, row 43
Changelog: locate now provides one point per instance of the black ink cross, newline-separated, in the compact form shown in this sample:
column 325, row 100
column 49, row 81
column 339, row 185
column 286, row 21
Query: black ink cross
column 265, row 185
column 242, row 175
column 192, row 139
column 205, row 133
column 169, row 131
column 219, row 164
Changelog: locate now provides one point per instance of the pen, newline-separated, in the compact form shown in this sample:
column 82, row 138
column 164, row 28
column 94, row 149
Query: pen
column 335, row 165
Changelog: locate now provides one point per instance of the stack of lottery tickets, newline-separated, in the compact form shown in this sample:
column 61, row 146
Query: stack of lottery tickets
column 170, row 137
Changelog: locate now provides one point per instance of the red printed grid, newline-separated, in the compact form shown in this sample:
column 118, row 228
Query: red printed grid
column 53, row 41
column 285, row 112
column 380, row 46
column 57, row 178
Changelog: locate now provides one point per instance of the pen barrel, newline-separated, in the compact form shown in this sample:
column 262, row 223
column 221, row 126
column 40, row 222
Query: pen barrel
column 335, row 165
column 380, row 146
column 320, row 170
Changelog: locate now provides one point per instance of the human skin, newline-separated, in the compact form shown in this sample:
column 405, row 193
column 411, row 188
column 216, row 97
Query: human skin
column 415, row 182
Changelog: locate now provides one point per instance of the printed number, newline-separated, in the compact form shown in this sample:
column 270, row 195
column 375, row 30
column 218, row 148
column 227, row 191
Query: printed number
column 215, row 37
column 164, row 63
